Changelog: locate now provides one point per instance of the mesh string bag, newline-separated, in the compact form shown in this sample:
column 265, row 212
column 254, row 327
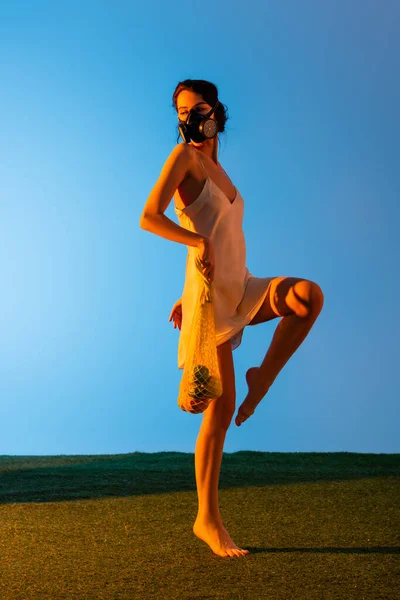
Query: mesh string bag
column 201, row 380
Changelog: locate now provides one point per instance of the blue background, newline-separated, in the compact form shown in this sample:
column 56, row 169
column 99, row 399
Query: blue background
column 88, row 359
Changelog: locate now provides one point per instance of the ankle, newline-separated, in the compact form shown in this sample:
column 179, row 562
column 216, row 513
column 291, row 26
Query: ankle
column 208, row 519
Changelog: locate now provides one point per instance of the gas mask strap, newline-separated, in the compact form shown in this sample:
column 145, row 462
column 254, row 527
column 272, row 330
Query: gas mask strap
column 212, row 110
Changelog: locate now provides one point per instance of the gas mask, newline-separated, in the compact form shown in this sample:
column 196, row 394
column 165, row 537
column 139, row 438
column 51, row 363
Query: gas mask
column 198, row 127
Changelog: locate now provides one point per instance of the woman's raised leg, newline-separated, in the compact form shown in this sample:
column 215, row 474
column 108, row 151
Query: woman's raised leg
column 299, row 302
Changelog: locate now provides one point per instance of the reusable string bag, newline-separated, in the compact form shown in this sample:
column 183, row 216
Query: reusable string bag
column 201, row 380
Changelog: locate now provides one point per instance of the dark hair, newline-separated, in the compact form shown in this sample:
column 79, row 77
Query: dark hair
column 209, row 93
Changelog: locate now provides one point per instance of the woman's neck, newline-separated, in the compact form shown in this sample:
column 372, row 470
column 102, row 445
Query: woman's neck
column 210, row 150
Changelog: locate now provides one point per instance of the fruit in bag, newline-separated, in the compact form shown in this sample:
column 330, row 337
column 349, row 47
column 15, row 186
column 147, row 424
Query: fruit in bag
column 201, row 380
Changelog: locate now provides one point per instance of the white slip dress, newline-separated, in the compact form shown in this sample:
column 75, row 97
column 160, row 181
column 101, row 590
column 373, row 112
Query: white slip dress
column 237, row 294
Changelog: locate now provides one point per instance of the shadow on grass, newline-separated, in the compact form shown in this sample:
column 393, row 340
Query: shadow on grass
column 72, row 477
column 329, row 550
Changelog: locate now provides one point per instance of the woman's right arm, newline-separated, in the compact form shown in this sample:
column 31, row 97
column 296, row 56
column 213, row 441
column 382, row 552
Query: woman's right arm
column 174, row 171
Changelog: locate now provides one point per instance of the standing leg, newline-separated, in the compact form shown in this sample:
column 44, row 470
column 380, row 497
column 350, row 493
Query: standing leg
column 208, row 457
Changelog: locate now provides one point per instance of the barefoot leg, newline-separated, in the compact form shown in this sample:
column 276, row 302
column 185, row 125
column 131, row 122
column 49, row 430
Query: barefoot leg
column 289, row 335
column 208, row 457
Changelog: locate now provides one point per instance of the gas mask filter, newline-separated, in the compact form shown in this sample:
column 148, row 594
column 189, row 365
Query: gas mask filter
column 198, row 127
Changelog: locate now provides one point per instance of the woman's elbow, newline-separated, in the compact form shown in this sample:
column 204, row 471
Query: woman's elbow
column 144, row 221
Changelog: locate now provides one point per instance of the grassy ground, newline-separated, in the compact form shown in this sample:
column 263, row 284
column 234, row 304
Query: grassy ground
column 318, row 525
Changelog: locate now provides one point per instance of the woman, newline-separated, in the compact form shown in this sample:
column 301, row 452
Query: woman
column 210, row 212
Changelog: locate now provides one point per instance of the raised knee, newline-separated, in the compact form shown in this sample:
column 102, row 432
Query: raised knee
column 306, row 298
column 317, row 297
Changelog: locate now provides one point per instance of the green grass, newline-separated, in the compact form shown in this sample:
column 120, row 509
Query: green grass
column 318, row 525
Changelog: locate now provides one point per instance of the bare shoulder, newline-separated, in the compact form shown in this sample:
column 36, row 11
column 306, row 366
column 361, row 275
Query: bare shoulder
column 181, row 155
column 182, row 149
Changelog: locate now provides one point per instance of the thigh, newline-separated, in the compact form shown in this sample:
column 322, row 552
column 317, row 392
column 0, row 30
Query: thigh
column 285, row 297
column 223, row 408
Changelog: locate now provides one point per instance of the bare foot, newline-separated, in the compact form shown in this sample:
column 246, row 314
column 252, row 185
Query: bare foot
column 216, row 536
column 255, row 394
